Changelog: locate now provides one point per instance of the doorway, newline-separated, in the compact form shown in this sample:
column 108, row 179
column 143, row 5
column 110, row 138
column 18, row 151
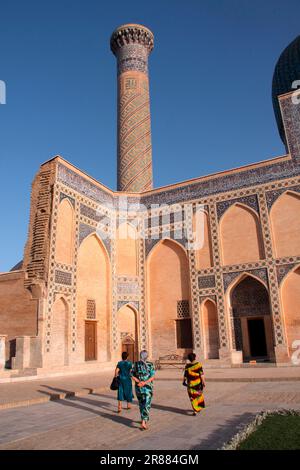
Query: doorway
column 90, row 341
column 129, row 347
column 257, row 337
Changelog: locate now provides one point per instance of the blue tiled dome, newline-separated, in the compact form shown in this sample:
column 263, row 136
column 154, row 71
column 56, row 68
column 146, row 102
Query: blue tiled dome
column 287, row 70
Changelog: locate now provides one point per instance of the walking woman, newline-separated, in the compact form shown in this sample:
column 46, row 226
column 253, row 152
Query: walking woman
column 195, row 382
column 123, row 371
column 143, row 376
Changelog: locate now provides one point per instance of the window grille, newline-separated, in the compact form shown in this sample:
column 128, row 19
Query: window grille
column 183, row 309
column 91, row 309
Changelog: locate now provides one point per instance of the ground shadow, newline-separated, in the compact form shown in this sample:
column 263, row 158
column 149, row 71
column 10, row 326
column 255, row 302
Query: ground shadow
column 71, row 394
column 79, row 403
column 170, row 409
column 225, row 432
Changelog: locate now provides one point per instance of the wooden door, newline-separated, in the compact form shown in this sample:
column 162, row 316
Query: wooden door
column 129, row 348
column 90, row 341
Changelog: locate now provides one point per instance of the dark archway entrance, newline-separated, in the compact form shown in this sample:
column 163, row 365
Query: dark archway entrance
column 252, row 319
column 257, row 337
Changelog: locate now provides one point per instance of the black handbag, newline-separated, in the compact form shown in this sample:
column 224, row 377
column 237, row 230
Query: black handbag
column 115, row 383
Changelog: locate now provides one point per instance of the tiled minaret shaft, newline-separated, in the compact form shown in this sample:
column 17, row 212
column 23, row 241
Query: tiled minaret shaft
column 132, row 44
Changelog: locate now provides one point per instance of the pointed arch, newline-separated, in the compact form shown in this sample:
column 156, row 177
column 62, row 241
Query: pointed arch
column 128, row 328
column 204, row 254
column 249, row 315
column 290, row 301
column 64, row 241
column 240, row 235
column 93, row 286
column 60, row 331
column 168, row 285
column 210, row 328
column 285, row 224
column 240, row 278
column 164, row 241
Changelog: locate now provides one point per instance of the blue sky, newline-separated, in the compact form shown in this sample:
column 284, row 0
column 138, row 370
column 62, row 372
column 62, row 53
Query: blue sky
column 210, row 79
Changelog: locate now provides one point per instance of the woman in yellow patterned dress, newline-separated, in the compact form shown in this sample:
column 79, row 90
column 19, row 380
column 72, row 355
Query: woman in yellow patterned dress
column 194, row 380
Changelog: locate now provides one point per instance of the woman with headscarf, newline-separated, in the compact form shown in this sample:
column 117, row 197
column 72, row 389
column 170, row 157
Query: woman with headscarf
column 143, row 376
column 194, row 381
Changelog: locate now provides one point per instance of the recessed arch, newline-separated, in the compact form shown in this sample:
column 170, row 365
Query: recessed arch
column 290, row 301
column 60, row 331
column 128, row 327
column 93, row 287
column 240, row 235
column 168, row 291
column 64, row 237
column 249, row 315
column 210, row 329
column 204, row 253
column 242, row 276
column 285, row 224
column 166, row 240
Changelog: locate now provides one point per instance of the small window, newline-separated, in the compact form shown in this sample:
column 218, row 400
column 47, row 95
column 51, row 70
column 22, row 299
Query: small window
column 91, row 309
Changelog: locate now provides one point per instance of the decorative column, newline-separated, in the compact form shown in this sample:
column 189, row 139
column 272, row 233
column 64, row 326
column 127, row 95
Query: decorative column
column 132, row 44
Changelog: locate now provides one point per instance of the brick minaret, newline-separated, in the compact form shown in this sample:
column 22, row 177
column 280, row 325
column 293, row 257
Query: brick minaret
column 131, row 44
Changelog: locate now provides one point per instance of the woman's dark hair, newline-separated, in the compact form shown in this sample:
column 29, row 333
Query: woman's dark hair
column 124, row 355
column 191, row 357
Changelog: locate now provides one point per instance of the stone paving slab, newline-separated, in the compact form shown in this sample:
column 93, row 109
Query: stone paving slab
column 91, row 422
column 16, row 394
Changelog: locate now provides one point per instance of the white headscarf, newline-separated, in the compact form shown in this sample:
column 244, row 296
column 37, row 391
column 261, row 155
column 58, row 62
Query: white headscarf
column 143, row 355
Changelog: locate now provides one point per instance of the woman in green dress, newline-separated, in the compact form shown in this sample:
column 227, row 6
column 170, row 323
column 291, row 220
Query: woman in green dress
column 143, row 376
column 123, row 371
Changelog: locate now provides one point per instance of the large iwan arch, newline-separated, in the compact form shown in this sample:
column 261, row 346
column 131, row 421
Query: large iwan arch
column 249, row 308
column 168, row 293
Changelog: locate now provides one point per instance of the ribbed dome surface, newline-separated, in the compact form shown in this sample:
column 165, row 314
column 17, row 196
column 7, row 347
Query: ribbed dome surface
column 287, row 70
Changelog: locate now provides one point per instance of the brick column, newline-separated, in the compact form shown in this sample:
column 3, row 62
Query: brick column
column 2, row 351
column 131, row 44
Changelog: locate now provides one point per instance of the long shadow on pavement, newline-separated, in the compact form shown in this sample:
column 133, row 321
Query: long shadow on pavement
column 225, row 432
column 170, row 409
column 76, row 402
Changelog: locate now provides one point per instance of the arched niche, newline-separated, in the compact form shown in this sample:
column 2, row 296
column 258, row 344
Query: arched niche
column 93, row 300
column 285, row 224
column 290, row 297
column 64, row 241
column 210, row 329
column 240, row 235
column 202, row 239
column 168, row 291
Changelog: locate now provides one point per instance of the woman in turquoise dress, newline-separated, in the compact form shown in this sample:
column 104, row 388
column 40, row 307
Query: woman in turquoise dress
column 123, row 371
column 143, row 376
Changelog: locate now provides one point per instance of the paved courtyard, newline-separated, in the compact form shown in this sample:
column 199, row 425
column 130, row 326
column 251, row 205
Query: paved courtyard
column 91, row 422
